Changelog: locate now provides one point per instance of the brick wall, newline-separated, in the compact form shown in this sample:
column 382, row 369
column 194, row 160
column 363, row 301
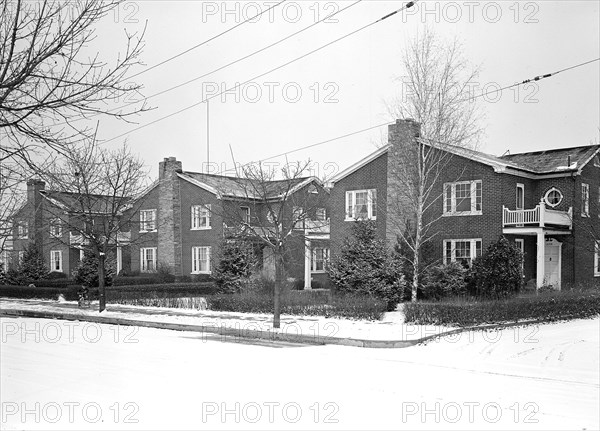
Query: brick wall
column 371, row 176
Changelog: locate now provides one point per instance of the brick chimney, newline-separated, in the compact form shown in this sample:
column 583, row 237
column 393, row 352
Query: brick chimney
column 35, row 216
column 169, row 214
column 402, row 138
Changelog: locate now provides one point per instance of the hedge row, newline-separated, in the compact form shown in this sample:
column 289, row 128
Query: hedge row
column 113, row 293
column 545, row 307
column 353, row 307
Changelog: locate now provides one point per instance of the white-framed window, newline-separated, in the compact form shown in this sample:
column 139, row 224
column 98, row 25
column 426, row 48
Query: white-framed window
column 463, row 198
column 461, row 250
column 200, row 260
column 22, row 230
column 56, row 261
column 321, row 214
column 271, row 217
column 320, row 257
column 20, row 256
column 520, row 204
column 56, row 228
column 361, row 204
column 148, row 220
column 553, row 197
column 245, row 214
column 597, row 260
column 5, row 260
column 200, row 217
column 148, row 259
column 585, row 200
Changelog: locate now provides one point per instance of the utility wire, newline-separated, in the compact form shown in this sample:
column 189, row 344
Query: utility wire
column 204, row 42
column 527, row 81
column 233, row 62
column 406, row 6
column 537, row 78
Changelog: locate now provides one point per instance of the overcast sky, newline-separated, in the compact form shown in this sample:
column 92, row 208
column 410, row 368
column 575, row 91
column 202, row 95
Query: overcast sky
column 344, row 87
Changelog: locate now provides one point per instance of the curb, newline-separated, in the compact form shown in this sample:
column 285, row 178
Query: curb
column 223, row 331
column 233, row 333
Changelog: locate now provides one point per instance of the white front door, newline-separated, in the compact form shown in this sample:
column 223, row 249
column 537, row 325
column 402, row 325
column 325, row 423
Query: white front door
column 552, row 262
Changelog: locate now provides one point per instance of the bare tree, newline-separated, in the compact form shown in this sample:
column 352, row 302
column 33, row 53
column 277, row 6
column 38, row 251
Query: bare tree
column 435, row 94
column 92, row 193
column 279, row 212
column 50, row 82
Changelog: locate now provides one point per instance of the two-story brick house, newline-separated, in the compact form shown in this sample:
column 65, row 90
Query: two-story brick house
column 55, row 222
column 185, row 216
column 548, row 202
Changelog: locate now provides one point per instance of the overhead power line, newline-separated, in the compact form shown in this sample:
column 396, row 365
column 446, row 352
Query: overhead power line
column 406, row 6
column 205, row 42
column 234, row 61
column 537, row 78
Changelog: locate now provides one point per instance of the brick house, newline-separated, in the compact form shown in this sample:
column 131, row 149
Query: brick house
column 547, row 202
column 54, row 222
column 185, row 216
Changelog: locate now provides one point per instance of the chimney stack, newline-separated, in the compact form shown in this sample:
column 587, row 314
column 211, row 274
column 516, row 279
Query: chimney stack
column 169, row 214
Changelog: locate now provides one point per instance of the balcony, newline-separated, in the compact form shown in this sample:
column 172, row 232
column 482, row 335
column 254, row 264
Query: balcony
column 540, row 216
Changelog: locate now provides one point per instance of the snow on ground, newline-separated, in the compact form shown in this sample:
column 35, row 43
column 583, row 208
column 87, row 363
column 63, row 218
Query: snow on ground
column 390, row 328
column 92, row 376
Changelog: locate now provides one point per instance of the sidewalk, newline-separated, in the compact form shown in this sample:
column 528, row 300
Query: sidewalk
column 390, row 332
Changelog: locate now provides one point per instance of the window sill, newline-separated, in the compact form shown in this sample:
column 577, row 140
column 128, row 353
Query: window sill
column 201, row 228
column 201, row 272
column 148, row 231
column 463, row 213
column 356, row 219
column 318, row 272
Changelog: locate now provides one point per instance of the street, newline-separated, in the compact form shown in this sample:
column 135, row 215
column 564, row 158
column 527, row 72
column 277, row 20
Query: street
column 76, row 375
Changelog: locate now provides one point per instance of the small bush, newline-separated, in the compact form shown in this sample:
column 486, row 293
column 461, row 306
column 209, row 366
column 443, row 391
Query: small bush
column 442, row 281
column 164, row 273
column 86, row 272
column 498, row 272
column 543, row 307
column 55, row 275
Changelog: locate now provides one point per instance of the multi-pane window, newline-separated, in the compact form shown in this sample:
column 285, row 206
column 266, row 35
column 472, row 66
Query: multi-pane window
column 361, row 204
column 597, row 260
column 585, row 200
column 4, row 260
column 320, row 214
column 245, row 214
column 320, row 257
column 22, row 230
column 553, row 197
column 461, row 250
column 201, row 217
column 56, row 227
column 148, row 259
column 200, row 260
column 56, row 260
column 147, row 220
column 463, row 198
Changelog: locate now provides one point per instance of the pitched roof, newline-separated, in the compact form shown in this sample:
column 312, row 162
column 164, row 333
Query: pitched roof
column 530, row 164
column 99, row 204
column 552, row 161
column 234, row 187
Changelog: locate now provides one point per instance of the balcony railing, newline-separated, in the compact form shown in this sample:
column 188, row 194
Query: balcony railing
column 539, row 216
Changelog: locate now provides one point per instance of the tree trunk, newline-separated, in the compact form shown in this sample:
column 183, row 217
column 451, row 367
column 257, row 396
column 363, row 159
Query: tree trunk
column 277, row 290
column 101, row 282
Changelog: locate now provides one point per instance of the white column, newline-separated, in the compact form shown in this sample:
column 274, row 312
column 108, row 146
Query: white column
column 119, row 259
column 541, row 253
column 307, row 261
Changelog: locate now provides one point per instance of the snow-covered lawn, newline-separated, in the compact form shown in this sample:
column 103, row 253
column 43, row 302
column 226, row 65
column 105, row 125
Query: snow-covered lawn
column 75, row 375
column 390, row 328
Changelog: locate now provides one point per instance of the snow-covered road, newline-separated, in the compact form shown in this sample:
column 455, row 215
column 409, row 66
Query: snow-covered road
column 75, row 375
